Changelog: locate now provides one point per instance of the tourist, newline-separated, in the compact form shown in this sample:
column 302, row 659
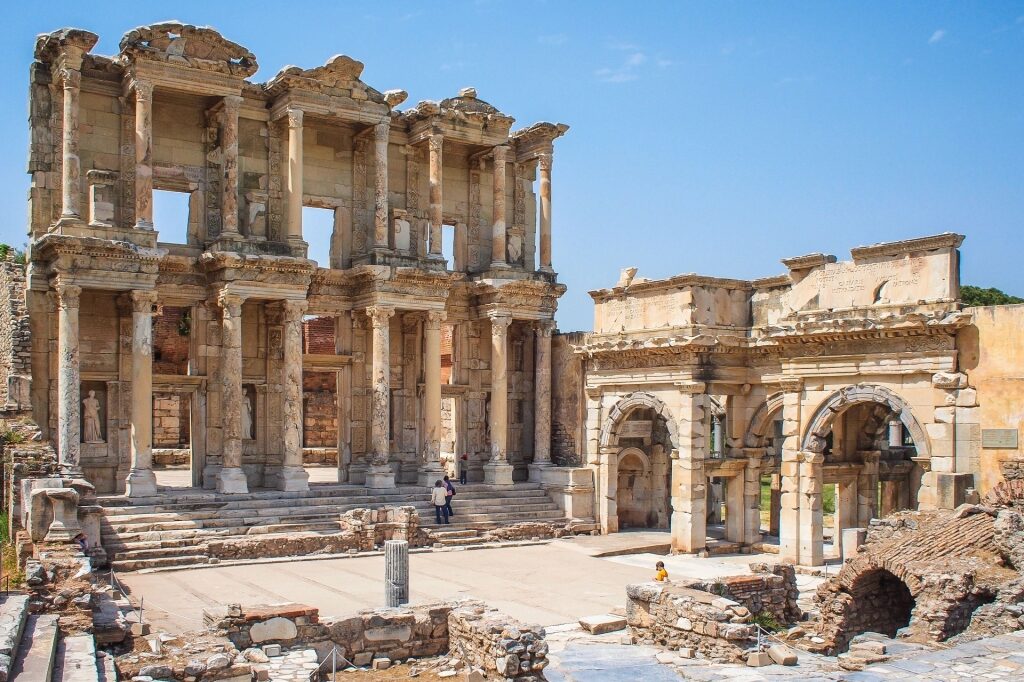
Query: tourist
column 439, row 498
column 463, row 469
column 81, row 542
column 449, row 493
column 661, row 575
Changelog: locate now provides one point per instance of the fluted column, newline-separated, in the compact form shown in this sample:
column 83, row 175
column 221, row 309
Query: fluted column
column 431, row 469
column 294, row 186
column 143, row 155
column 293, row 475
column 229, row 147
column 498, row 471
column 231, row 478
column 436, row 143
column 544, row 166
column 498, row 241
column 141, row 480
column 69, row 386
column 380, row 185
column 71, row 194
column 380, row 474
column 542, row 400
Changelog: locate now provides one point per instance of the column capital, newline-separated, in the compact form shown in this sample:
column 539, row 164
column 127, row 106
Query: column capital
column 544, row 161
column 382, row 129
column 499, row 325
column 143, row 300
column 143, row 89
column 232, row 103
column 295, row 118
column 68, row 296
column 231, row 303
column 69, row 77
column 435, row 318
column 791, row 384
column 435, row 142
column 544, row 327
column 500, row 153
column 380, row 314
column 812, row 457
column 293, row 310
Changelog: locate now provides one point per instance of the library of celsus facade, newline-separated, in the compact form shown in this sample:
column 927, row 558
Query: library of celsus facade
column 222, row 327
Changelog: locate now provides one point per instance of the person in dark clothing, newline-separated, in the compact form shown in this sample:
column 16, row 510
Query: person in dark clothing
column 449, row 493
column 439, row 498
column 463, row 469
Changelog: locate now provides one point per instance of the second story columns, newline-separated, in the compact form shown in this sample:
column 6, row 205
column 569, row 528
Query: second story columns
column 436, row 145
column 143, row 155
column 229, row 148
column 294, row 183
column 380, row 185
column 498, row 240
column 544, row 201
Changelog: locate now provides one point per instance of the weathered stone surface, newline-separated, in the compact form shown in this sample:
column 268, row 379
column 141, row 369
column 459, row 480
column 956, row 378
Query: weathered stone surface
column 600, row 624
column 274, row 629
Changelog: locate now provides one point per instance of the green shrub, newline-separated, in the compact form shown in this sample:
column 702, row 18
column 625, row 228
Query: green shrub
column 766, row 620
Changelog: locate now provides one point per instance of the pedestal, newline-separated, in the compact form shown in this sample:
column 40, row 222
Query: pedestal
column 140, row 483
column 498, row 473
column 430, row 473
column 380, row 477
column 232, row 481
column 65, row 525
column 294, row 479
column 537, row 471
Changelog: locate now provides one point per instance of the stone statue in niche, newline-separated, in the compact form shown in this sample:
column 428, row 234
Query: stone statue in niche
column 91, row 432
column 515, row 249
column 247, row 416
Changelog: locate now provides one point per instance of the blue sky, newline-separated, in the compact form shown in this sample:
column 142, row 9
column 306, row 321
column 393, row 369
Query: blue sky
column 706, row 137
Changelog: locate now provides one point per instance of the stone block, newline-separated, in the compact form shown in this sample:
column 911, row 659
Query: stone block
column 363, row 658
column 381, row 663
column 782, row 655
column 758, row 659
column 277, row 629
column 272, row 650
column 600, row 624
column 951, row 489
column 852, row 538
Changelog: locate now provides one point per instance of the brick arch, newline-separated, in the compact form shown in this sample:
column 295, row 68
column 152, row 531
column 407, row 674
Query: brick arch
column 757, row 430
column 633, row 401
column 861, row 581
column 840, row 401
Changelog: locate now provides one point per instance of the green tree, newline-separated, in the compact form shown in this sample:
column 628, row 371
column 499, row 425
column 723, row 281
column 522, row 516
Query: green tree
column 972, row 296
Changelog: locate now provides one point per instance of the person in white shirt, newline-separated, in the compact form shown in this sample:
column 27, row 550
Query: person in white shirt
column 439, row 498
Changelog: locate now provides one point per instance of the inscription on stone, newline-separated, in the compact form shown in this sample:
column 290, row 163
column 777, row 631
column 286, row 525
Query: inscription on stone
column 1001, row 439
column 635, row 430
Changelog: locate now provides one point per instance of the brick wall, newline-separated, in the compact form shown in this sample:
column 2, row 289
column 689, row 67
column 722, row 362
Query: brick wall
column 319, row 410
column 15, row 349
column 171, row 331
column 318, row 336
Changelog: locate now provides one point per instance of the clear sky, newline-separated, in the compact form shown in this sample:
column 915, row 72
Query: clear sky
column 706, row 137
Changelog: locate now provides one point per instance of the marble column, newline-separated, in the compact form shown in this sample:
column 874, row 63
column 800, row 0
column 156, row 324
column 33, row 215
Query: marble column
column 544, row 167
column 143, row 155
column 141, row 481
column 379, row 474
column 69, row 383
column 293, row 475
column 895, row 434
column 498, row 471
column 812, row 544
column 380, row 185
column 542, row 400
column 436, row 143
column 229, row 148
column 293, row 190
column 498, row 240
column 431, row 468
column 71, row 192
column 231, row 478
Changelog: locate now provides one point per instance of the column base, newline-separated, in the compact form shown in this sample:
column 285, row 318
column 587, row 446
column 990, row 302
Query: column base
column 380, row 477
column 140, row 483
column 429, row 473
column 546, row 269
column 71, row 471
column 537, row 471
column 293, row 480
column 498, row 473
column 500, row 265
column 232, row 481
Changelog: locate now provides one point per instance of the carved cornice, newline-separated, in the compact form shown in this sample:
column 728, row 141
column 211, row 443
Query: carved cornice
column 187, row 46
column 64, row 43
column 947, row 240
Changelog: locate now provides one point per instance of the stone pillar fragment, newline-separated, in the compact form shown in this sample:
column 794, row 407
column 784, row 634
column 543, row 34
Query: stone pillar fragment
column 71, row 194
column 689, row 483
column 436, row 143
column 294, row 186
column 542, row 400
column 379, row 474
column 812, row 550
column 498, row 241
column 544, row 165
column 231, row 478
column 141, row 481
column 69, row 382
column 229, row 149
column 293, row 475
column 143, row 155
column 431, row 468
column 498, row 471
column 381, row 131
column 895, row 434
column 396, row 573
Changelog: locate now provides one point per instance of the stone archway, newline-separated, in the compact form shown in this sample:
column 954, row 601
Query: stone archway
column 634, row 499
column 759, row 428
column 610, row 429
column 876, row 600
column 838, row 402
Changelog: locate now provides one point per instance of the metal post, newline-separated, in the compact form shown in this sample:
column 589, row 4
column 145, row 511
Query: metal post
column 396, row 572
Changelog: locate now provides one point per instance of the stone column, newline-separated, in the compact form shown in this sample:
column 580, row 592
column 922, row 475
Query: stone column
column 229, row 148
column 544, row 166
column 846, row 509
column 431, row 469
column 141, row 481
column 293, row 475
column 789, row 471
column 71, row 194
column 689, row 483
column 380, row 185
column 143, row 155
column 436, row 143
column 379, row 474
column 867, row 488
column 498, row 471
column 396, row 573
column 69, row 383
column 895, row 434
column 752, row 496
column 498, row 258
column 542, row 400
column 294, row 187
column 231, row 478
column 735, row 508
column 812, row 549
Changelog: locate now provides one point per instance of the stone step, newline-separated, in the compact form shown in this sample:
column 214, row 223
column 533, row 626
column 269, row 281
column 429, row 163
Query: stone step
column 13, row 616
column 37, row 650
column 455, row 534
column 163, row 562
column 76, row 660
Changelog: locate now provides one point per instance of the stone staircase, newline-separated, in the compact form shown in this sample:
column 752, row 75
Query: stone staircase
column 172, row 528
column 32, row 649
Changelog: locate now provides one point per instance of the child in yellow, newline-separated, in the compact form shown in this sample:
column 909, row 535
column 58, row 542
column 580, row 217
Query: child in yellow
column 661, row 574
